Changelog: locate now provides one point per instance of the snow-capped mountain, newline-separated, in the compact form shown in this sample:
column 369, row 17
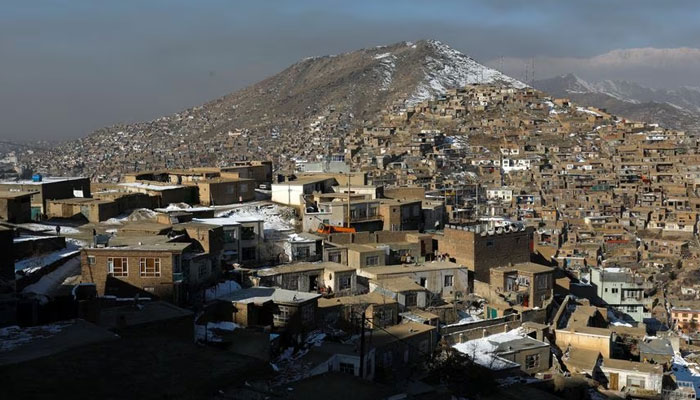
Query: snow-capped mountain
column 675, row 108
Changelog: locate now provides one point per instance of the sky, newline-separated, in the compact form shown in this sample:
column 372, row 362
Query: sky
column 68, row 67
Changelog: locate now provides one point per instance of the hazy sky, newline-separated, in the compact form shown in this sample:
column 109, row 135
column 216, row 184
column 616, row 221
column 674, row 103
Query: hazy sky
column 69, row 67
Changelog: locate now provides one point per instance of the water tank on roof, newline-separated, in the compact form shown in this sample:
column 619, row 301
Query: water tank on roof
column 36, row 178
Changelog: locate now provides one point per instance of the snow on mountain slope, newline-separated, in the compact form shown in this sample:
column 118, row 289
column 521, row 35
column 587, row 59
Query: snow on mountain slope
column 448, row 68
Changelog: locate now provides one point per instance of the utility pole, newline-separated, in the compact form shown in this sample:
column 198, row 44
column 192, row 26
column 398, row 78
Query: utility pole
column 362, row 346
column 348, row 199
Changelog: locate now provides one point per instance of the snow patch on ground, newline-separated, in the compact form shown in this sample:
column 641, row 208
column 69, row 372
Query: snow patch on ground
column 386, row 68
column 13, row 337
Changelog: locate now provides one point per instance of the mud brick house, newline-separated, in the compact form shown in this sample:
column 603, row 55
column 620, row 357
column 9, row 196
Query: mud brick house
column 285, row 310
column 16, row 207
column 166, row 270
column 532, row 283
column 322, row 277
column 48, row 188
column 225, row 191
column 480, row 249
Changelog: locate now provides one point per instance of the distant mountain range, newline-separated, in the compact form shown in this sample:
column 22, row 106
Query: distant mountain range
column 672, row 108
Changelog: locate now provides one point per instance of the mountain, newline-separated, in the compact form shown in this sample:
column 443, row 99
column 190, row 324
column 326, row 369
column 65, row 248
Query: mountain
column 317, row 96
column 677, row 108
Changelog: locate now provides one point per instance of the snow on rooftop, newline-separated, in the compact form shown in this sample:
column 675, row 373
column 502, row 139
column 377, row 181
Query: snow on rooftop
column 482, row 351
column 149, row 186
column 33, row 264
column 53, row 279
column 274, row 217
column 44, row 227
column 44, row 179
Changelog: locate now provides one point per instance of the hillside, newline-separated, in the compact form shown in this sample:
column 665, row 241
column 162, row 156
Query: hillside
column 318, row 96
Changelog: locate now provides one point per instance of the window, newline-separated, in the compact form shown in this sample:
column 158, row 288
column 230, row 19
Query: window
column 149, row 289
column 334, row 257
column 614, row 290
column 149, row 267
column 247, row 233
column 346, row 368
column 282, row 317
column 302, row 252
column 91, row 260
column 532, row 361
column 423, row 282
column 449, row 280
column 411, row 300
column 118, row 266
column 636, row 381
column 230, row 236
column 631, row 308
column 372, row 260
column 344, row 282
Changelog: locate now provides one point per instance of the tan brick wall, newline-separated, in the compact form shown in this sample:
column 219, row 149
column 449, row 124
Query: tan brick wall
column 481, row 253
column 97, row 273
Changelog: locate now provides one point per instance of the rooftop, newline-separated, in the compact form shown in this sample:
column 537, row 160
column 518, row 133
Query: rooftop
column 259, row 295
column 44, row 180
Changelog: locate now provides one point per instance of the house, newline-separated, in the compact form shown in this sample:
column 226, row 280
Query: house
column 339, row 357
column 216, row 191
column 401, row 215
column 686, row 319
column 284, row 310
column 364, row 256
column 399, row 348
column 292, row 193
column 16, row 207
column 623, row 290
column 244, row 238
column 656, row 351
column 632, row 378
column 533, row 283
column 167, row 270
column 320, row 277
column 479, row 248
column 508, row 351
column 48, row 188
column 345, row 311
column 403, row 289
column 443, row 279
column 163, row 193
